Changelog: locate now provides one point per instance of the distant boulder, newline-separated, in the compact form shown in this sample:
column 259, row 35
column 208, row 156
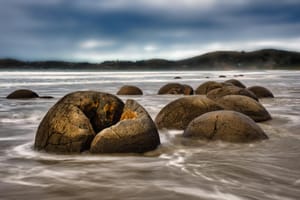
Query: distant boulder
column 175, row 88
column 261, row 92
column 230, row 90
column 207, row 86
column 180, row 112
column 129, row 90
column 71, row 124
column 245, row 105
column 236, row 83
column 229, row 126
column 134, row 133
column 22, row 94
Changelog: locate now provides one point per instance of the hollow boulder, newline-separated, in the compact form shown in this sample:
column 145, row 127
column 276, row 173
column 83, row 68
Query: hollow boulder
column 130, row 90
column 180, row 112
column 135, row 133
column 245, row 105
column 22, row 94
column 70, row 125
column 261, row 92
column 229, row 126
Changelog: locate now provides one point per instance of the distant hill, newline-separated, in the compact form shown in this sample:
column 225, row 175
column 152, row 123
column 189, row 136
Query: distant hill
column 262, row 59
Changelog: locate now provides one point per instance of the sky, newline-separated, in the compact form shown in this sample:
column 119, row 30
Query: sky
column 99, row 30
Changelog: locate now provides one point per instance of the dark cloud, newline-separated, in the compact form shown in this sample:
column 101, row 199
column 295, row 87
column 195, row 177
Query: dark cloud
column 108, row 29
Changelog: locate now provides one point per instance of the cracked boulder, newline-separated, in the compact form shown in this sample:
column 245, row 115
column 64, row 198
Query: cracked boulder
column 230, row 90
column 180, row 112
column 229, row 126
column 130, row 90
column 70, row 125
column 207, row 86
column 134, row 133
column 245, row 105
column 261, row 92
column 176, row 88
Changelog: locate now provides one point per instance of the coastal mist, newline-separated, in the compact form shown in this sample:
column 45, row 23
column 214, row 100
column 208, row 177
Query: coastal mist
column 179, row 168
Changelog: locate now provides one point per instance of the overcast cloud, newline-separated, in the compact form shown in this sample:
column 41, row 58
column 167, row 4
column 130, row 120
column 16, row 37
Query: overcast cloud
column 98, row 30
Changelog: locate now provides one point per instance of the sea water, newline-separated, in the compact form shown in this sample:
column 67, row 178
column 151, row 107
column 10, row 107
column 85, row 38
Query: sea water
column 179, row 168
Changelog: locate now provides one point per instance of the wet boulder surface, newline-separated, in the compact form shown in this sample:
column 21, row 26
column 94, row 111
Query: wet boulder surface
column 130, row 90
column 236, row 82
column 23, row 94
column 207, row 86
column 180, row 112
column 229, row 126
column 230, row 90
column 245, row 105
column 261, row 92
column 71, row 124
column 135, row 132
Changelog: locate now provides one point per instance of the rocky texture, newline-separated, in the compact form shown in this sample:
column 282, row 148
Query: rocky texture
column 207, row 86
column 245, row 105
column 230, row 90
column 22, row 94
column 179, row 113
column 176, row 88
column 129, row 90
column 70, row 125
column 261, row 92
column 188, row 90
column 228, row 126
column 236, row 83
column 135, row 133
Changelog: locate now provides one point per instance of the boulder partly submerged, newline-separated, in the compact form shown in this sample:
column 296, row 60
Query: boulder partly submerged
column 261, row 92
column 71, row 124
column 176, row 88
column 207, row 86
column 23, row 94
column 134, row 133
column 245, row 105
column 230, row 90
column 229, row 126
column 130, row 90
column 180, row 112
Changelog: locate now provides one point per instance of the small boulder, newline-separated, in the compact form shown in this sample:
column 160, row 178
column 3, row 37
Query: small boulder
column 130, row 90
column 22, row 94
column 180, row 112
column 236, row 83
column 229, row 126
column 245, row 105
column 230, row 90
column 222, row 76
column 261, row 92
column 135, row 133
column 70, row 125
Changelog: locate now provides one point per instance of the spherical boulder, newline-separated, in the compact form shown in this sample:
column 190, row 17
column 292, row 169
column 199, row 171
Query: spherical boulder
column 135, row 133
column 129, row 90
column 70, row 125
column 261, row 92
column 229, row 126
column 187, row 90
column 176, row 88
column 236, row 83
column 180, row 112
column 207, row 86
column 230, row 90
column 22, row 94
column 245, row 105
